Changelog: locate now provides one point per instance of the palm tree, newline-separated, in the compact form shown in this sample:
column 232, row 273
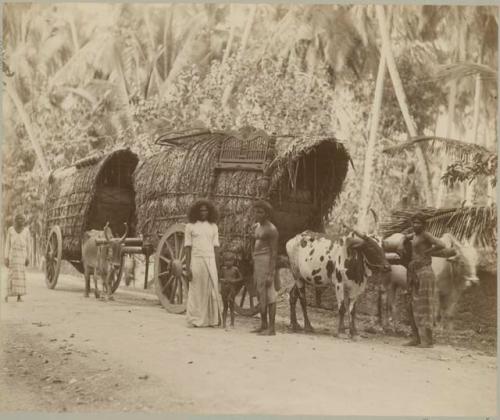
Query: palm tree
column 400, row 94
column 370, row 148
column 241, row 52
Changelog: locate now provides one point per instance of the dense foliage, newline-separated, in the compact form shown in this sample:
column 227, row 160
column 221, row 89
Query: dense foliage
column 91, row 77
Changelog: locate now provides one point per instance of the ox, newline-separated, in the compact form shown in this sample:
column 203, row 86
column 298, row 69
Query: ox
column 347, row 263
column 453, row 274
column 101, row 256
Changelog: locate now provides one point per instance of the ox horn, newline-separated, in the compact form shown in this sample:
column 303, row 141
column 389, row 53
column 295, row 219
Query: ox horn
column 122, row 239
column 473, row 238
column 106, row 228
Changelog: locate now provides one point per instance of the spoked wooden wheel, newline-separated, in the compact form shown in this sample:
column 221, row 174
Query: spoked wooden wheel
column 170, row 274
column 246, row 302
column 53, row 256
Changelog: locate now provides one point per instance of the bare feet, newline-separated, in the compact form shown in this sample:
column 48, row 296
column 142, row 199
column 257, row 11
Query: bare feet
column 295, row 327
column 260, row 329
column 268, row 332
column 424, row 346
column 309, row 328
column 412, row 343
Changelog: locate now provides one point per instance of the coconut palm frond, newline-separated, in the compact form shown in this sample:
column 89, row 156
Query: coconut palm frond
column 462, row 222
column 460, row 70
column 457, row 149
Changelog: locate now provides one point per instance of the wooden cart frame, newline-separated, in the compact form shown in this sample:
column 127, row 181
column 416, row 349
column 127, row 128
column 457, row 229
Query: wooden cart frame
column 301, row 176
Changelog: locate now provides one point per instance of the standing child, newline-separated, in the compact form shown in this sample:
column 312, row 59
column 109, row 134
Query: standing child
column 16, row 258
column 230, row 281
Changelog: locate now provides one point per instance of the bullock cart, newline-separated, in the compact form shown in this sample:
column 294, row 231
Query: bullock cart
column 301, row 176
column 85, row 196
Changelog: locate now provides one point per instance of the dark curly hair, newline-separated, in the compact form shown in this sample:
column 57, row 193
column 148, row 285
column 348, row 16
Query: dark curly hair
column 194, row 211
column 419, row 217
column 264, row 205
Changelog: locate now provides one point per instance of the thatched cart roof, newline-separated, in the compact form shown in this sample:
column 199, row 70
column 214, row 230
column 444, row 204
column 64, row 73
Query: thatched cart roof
column 72, row 190
column 209, row 164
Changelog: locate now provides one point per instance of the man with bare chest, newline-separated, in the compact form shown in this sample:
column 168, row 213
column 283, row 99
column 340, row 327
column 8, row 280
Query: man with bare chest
column 422, row 282
column 265, row 256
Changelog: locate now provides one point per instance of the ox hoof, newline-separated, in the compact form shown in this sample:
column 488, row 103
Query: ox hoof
column 355, row 337
column 388, row 330
column 86, row 295
column 296, row 327
column 342, row 335
column 308, row 329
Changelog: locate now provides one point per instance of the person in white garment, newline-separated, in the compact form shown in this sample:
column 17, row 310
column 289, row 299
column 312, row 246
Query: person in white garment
column 201, row 243
column 16, row 258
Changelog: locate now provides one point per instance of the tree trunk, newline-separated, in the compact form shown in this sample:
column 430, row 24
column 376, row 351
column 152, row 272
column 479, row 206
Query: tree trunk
column 401, row 96
column 11, row 91
column 227, row 51
column 366, row 186
column 470, row 188
column 452, row 100
column 168, row 41
column 246, row 34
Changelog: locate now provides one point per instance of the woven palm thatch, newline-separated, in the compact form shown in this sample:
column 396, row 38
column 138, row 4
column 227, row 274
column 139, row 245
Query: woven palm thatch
column 305, row 173
column 457, row 149
column 460, row 70
column 462, row 222
column 88, row 194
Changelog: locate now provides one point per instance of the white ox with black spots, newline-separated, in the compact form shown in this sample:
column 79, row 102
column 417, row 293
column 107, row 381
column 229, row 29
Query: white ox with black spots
column 316, row 259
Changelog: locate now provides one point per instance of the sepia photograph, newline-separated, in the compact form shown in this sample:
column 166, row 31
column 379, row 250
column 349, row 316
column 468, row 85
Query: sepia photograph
column 249, row 209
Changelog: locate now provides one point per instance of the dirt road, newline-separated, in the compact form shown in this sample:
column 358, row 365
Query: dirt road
column 64, row 352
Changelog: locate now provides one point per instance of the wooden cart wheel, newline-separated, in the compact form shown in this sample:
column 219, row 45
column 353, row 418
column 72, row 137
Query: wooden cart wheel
column 53, row 256
column 170, row 274
column 246, row 302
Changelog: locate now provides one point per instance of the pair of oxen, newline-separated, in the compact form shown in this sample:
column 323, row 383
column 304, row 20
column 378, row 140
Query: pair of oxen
column 349, row 262
column 102, row 257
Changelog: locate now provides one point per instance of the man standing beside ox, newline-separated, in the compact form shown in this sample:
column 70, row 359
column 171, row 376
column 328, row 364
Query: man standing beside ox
column 265, row 256
column 422, row 282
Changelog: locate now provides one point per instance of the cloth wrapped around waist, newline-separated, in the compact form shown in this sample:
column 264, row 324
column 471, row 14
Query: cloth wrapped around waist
column 263, row 251
column 261, row 267
column 420, row 262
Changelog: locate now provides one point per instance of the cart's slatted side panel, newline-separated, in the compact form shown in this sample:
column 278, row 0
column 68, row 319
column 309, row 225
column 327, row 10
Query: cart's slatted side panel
column 68, row 201
column 73, row 193
column 243, row 159
column 168, row 183
column 223, row 167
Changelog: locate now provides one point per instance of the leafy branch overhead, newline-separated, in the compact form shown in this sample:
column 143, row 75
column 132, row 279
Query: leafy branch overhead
column 87, row 78
column 478, row 165
column 471, row 160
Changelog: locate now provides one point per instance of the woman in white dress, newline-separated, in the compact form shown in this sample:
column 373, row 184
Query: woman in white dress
column 202, row 254
column 16, row 258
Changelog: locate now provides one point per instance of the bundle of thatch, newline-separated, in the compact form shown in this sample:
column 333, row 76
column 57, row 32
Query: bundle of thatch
column 462, row 222
column 456, row 149
column 87, row 194
column 170, row 181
